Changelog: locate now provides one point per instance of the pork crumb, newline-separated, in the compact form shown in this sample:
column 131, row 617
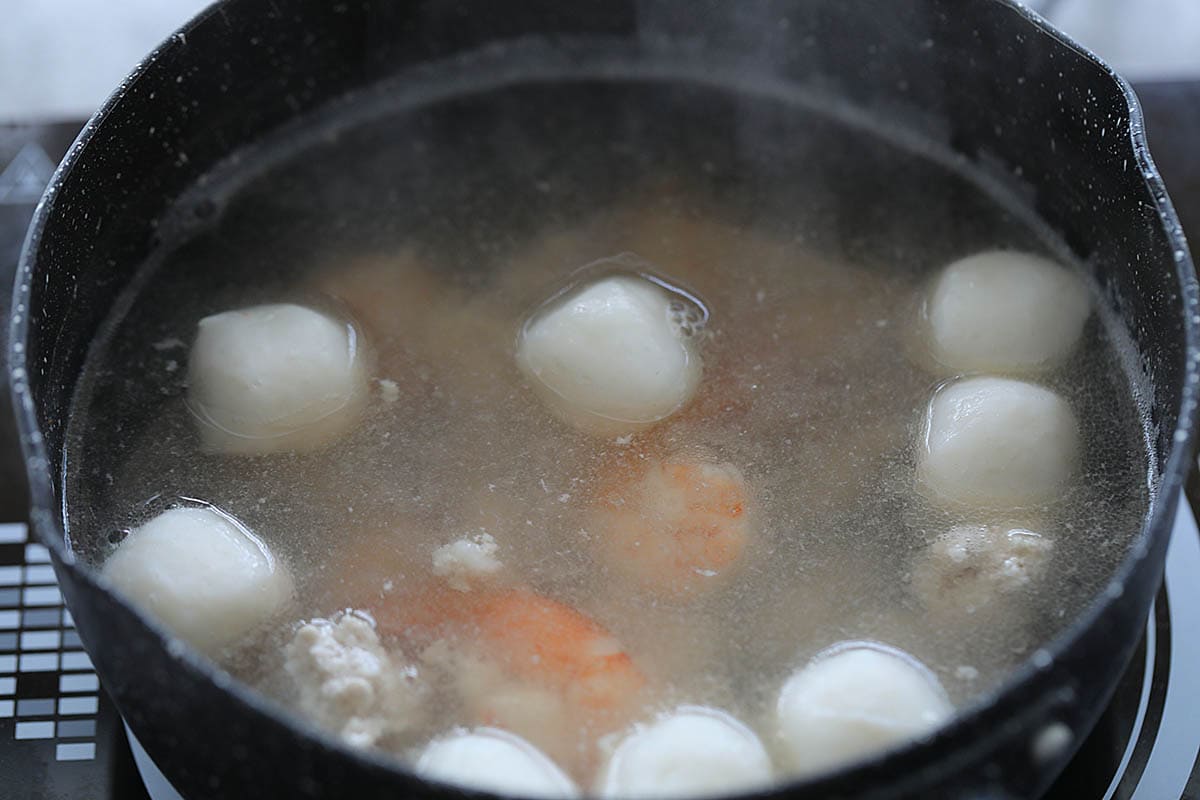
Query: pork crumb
column 467, row 560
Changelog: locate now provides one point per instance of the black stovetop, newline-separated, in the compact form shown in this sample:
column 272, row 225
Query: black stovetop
column 61, row 737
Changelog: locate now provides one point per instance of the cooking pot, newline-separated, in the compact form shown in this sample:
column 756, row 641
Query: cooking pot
column 985, row 79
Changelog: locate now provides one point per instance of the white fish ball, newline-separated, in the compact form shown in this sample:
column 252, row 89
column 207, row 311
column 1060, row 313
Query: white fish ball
column 202, row 573
column 496, row 761
column 274, row 378
column 611, row 356
column 1006, row 312
column 690, row 752
column 996, row 442
column 854, row 701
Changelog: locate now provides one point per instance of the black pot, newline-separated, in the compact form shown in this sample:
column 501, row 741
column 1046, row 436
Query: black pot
column 994, row 83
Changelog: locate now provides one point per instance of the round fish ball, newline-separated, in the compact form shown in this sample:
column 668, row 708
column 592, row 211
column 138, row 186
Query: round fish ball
column 690, row 752
column 274, row 378
column 496, row 761
column 611, row 356
column 853, row 701
column 971, row 574
column 202, row 573
column 997, row 442
column 1006, row 312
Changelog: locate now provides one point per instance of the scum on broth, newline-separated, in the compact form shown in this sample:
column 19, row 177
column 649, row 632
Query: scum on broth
column 810, row 243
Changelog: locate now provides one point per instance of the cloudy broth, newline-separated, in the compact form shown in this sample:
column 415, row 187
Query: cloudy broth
column 436, row 230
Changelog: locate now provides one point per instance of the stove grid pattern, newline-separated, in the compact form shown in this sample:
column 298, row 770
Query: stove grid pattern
column 38, row 646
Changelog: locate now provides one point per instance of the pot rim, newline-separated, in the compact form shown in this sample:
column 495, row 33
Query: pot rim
column 43, row 516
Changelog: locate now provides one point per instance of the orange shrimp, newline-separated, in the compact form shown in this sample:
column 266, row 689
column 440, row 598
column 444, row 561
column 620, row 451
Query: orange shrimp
column 679, row 528
column 521, row 661
column 389, row 293
column 536, row 639
column 427, row 333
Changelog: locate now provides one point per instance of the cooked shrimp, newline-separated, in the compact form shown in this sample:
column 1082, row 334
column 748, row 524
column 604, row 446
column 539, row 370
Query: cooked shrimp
column 679, row 528
column 537, row 638
column 795, row 306
column 426, row 331
column 523, row 662
column 510, row 658
column 392, row 296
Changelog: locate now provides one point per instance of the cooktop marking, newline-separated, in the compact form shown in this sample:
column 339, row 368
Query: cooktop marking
column 37, row 637
column 26, row 176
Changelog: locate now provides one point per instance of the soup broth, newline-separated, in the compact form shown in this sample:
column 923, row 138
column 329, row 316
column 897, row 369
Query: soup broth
column 437, row 230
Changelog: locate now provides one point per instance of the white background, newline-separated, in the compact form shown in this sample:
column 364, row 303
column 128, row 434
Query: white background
column 59, row 59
